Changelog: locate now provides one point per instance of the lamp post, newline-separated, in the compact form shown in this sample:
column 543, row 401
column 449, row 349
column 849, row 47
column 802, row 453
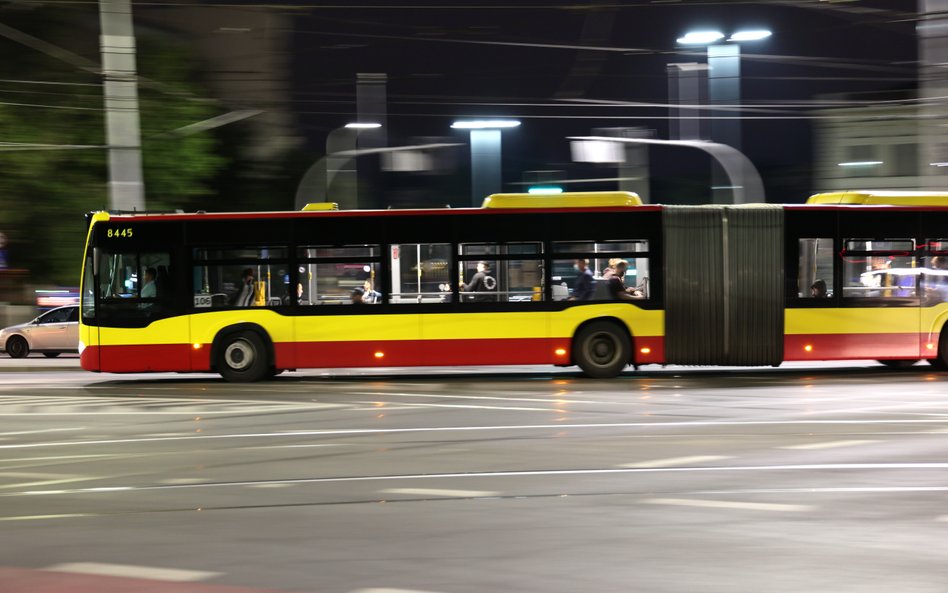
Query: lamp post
column 724, row 88
column 485, row 155
column 341, row 165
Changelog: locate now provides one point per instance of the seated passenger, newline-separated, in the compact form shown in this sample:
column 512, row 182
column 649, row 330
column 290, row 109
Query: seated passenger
column 356, row 296
column 818, row 290
column 370, row 296
column 244, row 295
column 616, row 284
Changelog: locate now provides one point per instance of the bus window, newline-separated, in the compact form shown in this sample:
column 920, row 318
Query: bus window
column 815, row 272
column 508, row 272
column 934, row 281
column 420, row 273
column 246, row 277
column 601, row 257
column 879, row 268
column 329, row 274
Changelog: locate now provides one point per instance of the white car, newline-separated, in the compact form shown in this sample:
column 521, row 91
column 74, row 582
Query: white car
column 52, row 333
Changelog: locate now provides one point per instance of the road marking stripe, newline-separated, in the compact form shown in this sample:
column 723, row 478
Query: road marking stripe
column 724, row 504
column 675, row 461
column 386, row 590
column 138, row 572
column 942, row 518
column 441, row 492
column 37, row 517
column 827, row 445
column 510, row 474
column 6, row 434
column 434, row 429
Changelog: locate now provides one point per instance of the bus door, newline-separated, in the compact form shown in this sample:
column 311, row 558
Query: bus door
column 137, row 326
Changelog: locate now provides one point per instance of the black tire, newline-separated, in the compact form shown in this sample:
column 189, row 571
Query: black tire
column 242, row 357
column 898, row 364
column 602, row 349
column 17, row 347
column 51, row 354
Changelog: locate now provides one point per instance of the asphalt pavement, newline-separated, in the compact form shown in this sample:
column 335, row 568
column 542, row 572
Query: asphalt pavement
column 826, row 478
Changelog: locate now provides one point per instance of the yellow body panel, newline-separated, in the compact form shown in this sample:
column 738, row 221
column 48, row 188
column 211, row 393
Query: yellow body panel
column 201, row 328
column 880, row 198
column 586, row 199
column 890, row 320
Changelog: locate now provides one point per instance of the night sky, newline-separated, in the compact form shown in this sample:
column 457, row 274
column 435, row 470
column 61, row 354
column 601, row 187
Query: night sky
column 446, row 60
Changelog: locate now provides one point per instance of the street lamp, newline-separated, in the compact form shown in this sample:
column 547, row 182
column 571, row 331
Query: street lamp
column 485, row 154
column 724, row 88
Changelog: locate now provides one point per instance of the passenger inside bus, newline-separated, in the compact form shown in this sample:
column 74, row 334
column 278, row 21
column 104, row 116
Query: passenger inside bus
column 481, row 282
column 615, row 283
column 818, row 290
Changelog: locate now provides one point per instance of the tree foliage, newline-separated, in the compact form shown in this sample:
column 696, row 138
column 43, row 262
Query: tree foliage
column 48, row 106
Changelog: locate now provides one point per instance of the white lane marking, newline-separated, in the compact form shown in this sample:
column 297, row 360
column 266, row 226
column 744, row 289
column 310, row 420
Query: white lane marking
column 386, row 590
column 138, row 572
column 675, row 461
column 267, row 485
column 514, row 474
column 942, row 519
column 724, row 504
column 557, row 427
column 441, row 492
column 48, row 482
column 180, row 481
column 407, row 405
column 40, row 517
column 827, row 445
column 6, row 434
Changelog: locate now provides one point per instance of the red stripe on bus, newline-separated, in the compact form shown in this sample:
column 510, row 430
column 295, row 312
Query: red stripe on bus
column 381, row 353
column 856, row 346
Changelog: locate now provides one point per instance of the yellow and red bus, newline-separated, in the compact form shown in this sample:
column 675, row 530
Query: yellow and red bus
column 248, row 295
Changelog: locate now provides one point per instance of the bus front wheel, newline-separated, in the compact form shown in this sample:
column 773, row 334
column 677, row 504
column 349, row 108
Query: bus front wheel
column 242, row 358
column 602, row 349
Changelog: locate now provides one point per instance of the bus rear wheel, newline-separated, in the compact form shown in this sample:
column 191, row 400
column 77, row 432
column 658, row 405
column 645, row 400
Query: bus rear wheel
column 602, row 349
column 17, row 347
column 242, row 358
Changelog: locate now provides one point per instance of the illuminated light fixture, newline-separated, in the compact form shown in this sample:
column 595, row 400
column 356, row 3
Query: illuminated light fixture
column 645, row 350
column 379, row 354
column 197, row 346
column 485, row 124
column 808, row 347
column 930, row 346
column 755, row 35
column 938, row 164
column 545, row 189
column 860, row 164
column 560, row 351
column 363, row 125
column 701, row 37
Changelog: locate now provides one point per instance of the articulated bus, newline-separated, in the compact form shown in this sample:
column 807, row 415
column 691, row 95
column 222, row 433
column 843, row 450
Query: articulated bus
column 248, row 295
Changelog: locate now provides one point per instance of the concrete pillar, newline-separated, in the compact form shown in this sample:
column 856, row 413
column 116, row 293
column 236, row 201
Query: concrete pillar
column 123, row 133
column 485, row 165
column 932, row 31
column 724, row 88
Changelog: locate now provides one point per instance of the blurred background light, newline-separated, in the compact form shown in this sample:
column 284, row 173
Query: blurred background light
column 700, row 37
column 485, row 124
column 756, row 35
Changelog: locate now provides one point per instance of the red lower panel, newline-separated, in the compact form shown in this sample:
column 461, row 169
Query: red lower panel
column 391, row 353
column 431, row 352
column 649, row 350
column 135, row 359
column 854, row 346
